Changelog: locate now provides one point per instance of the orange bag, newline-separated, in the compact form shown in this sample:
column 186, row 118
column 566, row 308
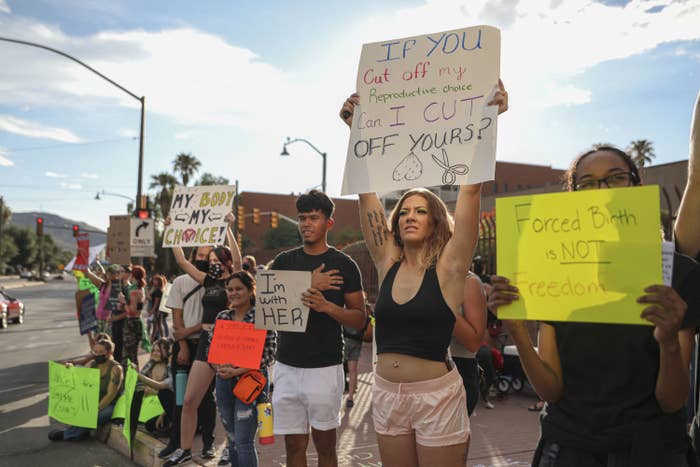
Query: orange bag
column 249, row 386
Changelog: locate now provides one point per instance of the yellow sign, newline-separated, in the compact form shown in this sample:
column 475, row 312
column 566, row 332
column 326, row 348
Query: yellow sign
column 581, row 256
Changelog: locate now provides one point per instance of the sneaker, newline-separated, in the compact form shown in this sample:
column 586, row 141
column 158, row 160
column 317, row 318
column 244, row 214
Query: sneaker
column 208, row 452
column 489, row 405
column 349, row 404
column 224, row 460
column 56, row 435
column 180, row 456
column 167, row 451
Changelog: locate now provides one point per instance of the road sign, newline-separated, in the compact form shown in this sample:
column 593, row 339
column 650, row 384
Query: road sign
column 142, row 237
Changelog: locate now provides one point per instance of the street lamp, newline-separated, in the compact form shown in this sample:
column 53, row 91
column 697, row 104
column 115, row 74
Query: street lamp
column 141, row 99
column 323, row 155
column 104, row 193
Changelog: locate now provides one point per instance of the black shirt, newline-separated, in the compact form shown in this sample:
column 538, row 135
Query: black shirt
column 214, row 299
column 608, row 401
column 322, row 343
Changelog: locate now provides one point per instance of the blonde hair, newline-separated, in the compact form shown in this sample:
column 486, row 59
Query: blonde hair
column 441, row 221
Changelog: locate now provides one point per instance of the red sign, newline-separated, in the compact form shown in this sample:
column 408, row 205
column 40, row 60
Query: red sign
column 82, row 260
column 238, row 344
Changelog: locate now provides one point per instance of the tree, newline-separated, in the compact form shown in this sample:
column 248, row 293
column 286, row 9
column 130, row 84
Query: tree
column 211, row 179
column 164, row 182
column 186, row 165
column 285, row 235
column 642, row 152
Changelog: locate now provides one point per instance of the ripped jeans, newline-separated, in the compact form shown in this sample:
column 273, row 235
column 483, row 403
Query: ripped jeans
column 240, row 422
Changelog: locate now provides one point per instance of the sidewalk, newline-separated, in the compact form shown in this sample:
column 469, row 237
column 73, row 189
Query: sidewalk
column 14, row 282
column 504, row 436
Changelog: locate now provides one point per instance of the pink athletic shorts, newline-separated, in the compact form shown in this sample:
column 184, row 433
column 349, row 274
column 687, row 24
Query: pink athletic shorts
column 435, row 409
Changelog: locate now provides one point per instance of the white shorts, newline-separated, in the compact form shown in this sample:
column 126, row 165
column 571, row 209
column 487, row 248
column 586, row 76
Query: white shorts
column 306, row 396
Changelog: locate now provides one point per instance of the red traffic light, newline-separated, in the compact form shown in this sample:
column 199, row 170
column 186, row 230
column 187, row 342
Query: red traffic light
column 40, row 226
column 142, row 213
column 39, row 220
column 76, row 229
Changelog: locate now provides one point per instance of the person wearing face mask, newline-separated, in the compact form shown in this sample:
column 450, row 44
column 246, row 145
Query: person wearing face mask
column 223, row 261
column 110, row 385
column 185, row 301
column 249, row 265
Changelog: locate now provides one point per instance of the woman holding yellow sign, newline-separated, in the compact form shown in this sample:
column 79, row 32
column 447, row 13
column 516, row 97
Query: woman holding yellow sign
column 615, row 393
column 422, row 256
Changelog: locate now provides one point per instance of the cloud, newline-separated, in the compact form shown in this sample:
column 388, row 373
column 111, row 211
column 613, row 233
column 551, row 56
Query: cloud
column 36, row 130
column 183, row 135
column 55, row 175
column 4, row 7
column 71, row 186
column 89, row 175
column 128, row 133
column 4, row 161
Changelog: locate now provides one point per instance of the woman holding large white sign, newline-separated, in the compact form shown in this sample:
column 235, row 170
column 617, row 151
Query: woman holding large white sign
column 615, row 393
column 419, row 403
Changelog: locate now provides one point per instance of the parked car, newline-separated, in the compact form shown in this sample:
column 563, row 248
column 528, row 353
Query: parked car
column 26, row 274
column 11, row 310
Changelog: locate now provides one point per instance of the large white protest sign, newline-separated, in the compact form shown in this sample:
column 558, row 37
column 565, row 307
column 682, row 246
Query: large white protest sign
column 197, row 215
column 278, row 300
column 142, row 237
column 423, row 118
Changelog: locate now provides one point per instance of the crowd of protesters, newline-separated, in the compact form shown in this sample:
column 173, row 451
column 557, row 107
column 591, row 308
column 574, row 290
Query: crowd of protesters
column 433, row 324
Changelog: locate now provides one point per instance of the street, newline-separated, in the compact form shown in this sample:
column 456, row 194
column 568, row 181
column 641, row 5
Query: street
column 49, row 332
column 504, row 436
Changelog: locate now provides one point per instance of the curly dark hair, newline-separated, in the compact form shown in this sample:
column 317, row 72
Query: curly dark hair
column 248, row 281
column 316, row 200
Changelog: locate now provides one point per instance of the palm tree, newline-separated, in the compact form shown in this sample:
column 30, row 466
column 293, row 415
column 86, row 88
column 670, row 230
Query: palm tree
column 164, row 182
column 642, row 152
column 186, row 165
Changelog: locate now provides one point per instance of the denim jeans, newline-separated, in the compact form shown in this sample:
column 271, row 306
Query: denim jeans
column 104, row 416
column 240, row 422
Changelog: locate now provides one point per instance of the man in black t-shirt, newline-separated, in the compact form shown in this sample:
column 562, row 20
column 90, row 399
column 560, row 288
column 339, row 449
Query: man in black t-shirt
column 308, row 376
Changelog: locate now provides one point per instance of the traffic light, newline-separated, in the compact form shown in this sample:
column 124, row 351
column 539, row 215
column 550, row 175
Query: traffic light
column 39, row 226
column 274, row 219
column 241, row 217
column 76, row 229
column 256, row 216
column 142, row 213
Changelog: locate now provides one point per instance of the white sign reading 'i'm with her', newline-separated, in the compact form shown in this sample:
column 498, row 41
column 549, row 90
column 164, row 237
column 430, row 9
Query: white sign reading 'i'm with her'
column 278, row 300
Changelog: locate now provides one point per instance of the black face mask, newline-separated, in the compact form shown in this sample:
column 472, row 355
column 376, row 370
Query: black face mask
column 215, row 270
column 100, row 359
column 202, row 265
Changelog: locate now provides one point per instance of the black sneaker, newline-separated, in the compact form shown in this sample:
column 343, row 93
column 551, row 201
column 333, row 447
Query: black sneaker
column 224, row 459
column 56, row 435
column 180, row 456
column 167, row 451
column 208, row 452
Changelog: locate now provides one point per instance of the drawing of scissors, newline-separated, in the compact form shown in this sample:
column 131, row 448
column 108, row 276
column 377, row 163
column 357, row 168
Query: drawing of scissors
column 451, row 171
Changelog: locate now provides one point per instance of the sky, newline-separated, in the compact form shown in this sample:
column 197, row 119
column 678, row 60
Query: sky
column 228, row 81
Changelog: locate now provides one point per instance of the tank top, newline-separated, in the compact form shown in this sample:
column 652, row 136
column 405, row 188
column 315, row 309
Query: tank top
column 104, row 378
column 421, row 327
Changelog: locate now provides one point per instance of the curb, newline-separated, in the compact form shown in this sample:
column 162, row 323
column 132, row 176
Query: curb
column 146, row 448
column 20, row 284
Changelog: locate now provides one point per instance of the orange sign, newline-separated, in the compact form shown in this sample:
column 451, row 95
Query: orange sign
column 239, row 344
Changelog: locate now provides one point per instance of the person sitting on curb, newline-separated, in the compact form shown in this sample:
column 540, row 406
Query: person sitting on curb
column 110, row 384
column 156, row 378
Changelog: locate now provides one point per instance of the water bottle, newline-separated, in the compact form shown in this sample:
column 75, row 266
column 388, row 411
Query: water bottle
column 180, row 385
column 265, row 424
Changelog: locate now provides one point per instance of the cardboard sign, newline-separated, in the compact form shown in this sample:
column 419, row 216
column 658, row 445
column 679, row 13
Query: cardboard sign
column 74, row 395
column 582, row 256
column 87, row 319
column 128, row 395
column 197, row 215
column 164, row 300
column 142, row 233
column 82, row 259
column 118, row 243
column 237, row 343
column 278, row 300
column 423, row 118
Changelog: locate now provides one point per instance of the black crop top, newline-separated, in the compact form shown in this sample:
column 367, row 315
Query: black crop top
column 421, row 327
column 214, row 299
